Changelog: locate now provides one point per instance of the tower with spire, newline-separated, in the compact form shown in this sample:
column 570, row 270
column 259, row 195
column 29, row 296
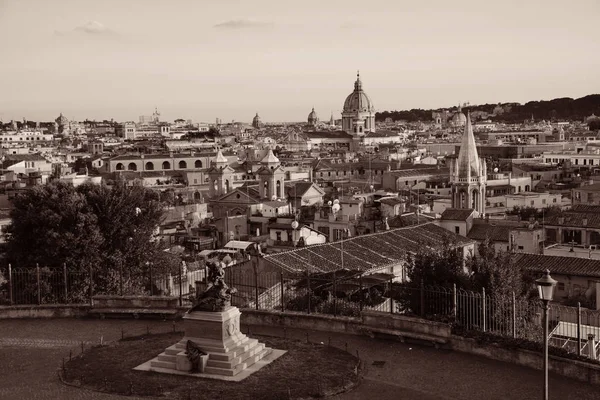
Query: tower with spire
column 468, row 174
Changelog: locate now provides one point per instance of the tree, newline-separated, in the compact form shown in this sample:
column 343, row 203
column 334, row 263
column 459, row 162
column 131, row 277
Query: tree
column 505, row 283
column 110, row 230
column 495, row 270
column 429, row 269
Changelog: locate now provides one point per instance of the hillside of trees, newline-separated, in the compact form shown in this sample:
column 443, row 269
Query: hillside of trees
column 562, row 109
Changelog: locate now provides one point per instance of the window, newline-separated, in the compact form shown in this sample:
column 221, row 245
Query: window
column 278, row 235
column 338, row 234
column 532, row 202
column 520, row 247
column 561, row 286
column 554, row 200
column 457, row 230
column 543, row 201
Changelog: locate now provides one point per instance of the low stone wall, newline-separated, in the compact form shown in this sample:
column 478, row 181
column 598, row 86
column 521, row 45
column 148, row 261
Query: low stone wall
column 402, row 323
column 575, row 369
column 103, row 301
column 44, row 311
column 293, row 319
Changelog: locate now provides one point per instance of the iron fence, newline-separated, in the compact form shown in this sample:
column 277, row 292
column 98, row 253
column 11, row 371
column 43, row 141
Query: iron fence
column 340, row 293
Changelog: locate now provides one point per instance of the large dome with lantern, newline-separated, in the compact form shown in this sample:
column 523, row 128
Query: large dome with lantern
column 358, row 101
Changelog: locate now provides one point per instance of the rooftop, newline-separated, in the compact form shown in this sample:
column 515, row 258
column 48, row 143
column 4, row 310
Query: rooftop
column 366, row 252
column 559, row 265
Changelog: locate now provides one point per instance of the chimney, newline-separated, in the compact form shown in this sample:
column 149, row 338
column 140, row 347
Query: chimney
column 584, row 222
column 561, row 220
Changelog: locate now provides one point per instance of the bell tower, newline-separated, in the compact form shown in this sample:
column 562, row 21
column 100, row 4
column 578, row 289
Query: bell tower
column 468, row 174
column 272, row 177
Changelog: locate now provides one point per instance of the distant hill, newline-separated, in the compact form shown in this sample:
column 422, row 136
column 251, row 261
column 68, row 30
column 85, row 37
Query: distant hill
column 563, row 109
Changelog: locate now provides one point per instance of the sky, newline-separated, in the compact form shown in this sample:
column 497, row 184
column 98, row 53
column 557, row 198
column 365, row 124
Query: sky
column 228, row 59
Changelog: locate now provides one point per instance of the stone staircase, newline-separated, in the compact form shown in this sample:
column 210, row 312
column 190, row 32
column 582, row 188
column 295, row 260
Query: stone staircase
column 222, row 360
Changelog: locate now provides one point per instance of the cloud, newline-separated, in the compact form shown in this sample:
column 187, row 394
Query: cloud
column 242, row 24
column 92, row 28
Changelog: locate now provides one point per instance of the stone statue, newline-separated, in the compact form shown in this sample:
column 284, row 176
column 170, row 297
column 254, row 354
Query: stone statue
column 217, row 296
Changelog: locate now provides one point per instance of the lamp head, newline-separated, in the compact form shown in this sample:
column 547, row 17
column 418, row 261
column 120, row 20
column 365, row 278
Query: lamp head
column 546, row 287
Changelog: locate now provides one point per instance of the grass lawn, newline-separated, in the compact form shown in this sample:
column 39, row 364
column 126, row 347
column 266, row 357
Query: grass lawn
column 306, row 370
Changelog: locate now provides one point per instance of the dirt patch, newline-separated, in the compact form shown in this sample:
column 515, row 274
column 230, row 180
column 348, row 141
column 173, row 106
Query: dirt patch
column 306, row 370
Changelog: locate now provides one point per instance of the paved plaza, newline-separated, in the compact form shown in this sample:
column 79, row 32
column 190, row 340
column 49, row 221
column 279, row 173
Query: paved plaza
column 31, row 352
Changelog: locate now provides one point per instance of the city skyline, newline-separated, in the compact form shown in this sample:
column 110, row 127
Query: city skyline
column 201, row 60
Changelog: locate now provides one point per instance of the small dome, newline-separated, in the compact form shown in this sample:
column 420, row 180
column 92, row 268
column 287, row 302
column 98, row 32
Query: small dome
column 61, row 120
column 220, row 158
column 459, row 119
column 270, row 158
column 358, row 99
column 313, row 115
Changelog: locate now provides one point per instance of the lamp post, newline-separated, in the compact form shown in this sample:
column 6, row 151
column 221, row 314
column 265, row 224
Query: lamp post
column 546, row 292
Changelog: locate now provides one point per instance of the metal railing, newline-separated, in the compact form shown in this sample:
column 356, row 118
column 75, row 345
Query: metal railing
column 341, row 293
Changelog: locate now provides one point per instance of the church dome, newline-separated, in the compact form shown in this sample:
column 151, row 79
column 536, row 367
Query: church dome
column 312, row 117
column 358, row 101
column 459, row 118
column 61, row 120
column 256, row 121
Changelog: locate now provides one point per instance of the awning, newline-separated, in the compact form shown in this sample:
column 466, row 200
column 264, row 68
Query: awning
column 569, row 330
column 238, row 245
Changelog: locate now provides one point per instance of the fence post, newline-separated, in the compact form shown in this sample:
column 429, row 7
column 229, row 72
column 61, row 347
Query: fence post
column 514, row 316
column 256, row 285
column 334, row 295
column 39, row 293
column 10, row 285
column 578, row 328
column 308, row 289
column 181, row 283
column 483, row 308
column 282, row 293
column 66, row 282
column 151, row 281
column 422, row 298
column 121, row 277
column 91, row 285
column 454, row 303
column 362, row 294
column 391, row 298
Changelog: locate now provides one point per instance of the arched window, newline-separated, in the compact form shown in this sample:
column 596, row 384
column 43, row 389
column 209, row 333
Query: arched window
column 182, row 164
column 120, row 167
column 132, row 167
column 197, row 196
column 227, row 185
column 279, row 194
column 166, row 165
column 149, row 166
column 198, row 164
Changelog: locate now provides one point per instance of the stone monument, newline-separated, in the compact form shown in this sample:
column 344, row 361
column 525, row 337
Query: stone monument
column 213, row 345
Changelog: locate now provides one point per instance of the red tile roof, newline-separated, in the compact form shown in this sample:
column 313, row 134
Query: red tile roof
column 456, row 214
column 574, row 266
column 366, row 252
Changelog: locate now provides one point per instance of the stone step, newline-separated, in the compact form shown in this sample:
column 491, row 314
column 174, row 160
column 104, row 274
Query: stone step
column 167, row 357
column 214, row 348
column 240, row 367
column 173, row 350
column 249, row 344
column 219, row 352
column 163, row 364
column 237, row 360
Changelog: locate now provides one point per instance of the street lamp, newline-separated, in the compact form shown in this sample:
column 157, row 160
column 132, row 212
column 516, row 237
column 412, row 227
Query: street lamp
column 546, row 292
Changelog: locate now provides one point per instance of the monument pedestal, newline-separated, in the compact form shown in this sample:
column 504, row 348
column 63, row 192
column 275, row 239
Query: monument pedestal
column 229, row 351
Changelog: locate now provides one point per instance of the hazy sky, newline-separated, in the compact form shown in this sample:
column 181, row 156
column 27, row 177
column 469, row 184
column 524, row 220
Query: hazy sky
column 203, row 59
